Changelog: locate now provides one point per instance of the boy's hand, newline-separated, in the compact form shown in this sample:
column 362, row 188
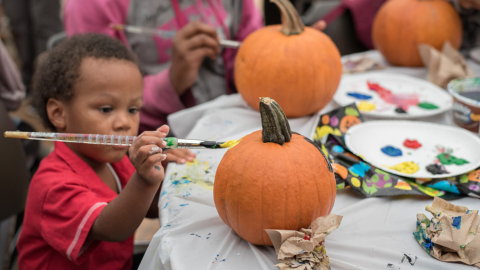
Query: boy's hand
column 190, row 46
column 146, row 155
column 179, row 156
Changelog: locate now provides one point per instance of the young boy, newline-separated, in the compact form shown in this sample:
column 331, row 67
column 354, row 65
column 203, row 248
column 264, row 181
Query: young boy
column 85, row 201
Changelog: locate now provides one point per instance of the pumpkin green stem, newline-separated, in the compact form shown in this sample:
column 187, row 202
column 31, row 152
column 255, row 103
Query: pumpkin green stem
column 275, row 126
column 291, row 22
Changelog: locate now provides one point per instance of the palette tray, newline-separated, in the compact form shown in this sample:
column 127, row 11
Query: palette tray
column 386, row 95
column 452, row 150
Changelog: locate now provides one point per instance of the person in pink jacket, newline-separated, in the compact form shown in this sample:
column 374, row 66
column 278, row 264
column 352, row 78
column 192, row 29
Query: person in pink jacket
column 181, row 71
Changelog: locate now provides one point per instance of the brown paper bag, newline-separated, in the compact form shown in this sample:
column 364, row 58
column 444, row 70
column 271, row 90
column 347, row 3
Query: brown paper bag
column 443, row 66
column 304, row 249
column 452, row 235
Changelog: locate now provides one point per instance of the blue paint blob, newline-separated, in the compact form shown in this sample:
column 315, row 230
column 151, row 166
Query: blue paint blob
column 337, row 149
column 391, row 151
column 457, row 222
column 163, row 193
column 359, row 96
column 359, row 169
column 445, row 186
column 183, row 204
column 428, row 243
column 468, row 211
column 165, row 205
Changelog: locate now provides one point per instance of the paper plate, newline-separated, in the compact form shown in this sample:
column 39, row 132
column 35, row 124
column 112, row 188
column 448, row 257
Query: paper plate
column 368, row 138
column 413, row 95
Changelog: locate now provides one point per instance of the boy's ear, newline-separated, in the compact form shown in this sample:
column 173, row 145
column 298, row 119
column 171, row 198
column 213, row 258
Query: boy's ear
column 56, row 113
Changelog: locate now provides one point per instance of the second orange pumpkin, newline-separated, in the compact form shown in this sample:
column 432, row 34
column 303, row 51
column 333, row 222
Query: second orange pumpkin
column 401, row 25
column 297, row 66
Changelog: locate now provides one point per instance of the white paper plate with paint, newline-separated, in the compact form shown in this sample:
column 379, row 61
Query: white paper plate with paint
column 445, row 146
column 387, row 95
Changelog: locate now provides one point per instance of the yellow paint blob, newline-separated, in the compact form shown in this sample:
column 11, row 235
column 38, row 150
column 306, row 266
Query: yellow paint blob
column 407, row 167
column 230, row 144
column 355, row 182
column 366, row 106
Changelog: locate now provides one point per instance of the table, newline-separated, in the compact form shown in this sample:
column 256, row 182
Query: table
column 374, row 231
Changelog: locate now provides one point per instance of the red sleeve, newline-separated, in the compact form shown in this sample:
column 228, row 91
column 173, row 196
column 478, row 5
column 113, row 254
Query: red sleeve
column 95, row 16
column 69, row 211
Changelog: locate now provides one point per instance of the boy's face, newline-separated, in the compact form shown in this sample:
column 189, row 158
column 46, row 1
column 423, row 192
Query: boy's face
column 107, row 99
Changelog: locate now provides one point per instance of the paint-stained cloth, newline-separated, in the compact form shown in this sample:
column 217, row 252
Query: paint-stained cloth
column 452, row 235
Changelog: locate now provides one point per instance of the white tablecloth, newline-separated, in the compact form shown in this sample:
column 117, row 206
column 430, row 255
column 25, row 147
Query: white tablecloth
column 374, row 231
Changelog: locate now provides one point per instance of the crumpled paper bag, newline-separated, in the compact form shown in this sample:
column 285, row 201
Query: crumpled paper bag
column 362, row 64
column 452, row 235
column 304, row 249
column 443, row 66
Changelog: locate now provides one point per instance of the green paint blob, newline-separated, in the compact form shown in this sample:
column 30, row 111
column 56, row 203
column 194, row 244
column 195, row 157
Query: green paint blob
column 171, row 141
column 157, row 168
column 447, row 159
column 351, row 111
column 427, row 106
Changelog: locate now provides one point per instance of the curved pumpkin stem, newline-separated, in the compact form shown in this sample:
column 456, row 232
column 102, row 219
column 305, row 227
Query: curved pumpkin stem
column 291, row 23
column 275, row 126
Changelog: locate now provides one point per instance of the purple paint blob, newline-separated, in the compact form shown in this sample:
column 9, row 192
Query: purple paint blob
column 474, row 187
column 359, row 96
column 333, row 121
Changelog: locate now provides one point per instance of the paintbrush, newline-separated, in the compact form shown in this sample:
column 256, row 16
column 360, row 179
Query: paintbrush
column 172, row 143
column 165, row 34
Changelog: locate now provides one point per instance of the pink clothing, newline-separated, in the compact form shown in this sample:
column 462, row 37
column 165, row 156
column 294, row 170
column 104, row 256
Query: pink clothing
column 232, row 19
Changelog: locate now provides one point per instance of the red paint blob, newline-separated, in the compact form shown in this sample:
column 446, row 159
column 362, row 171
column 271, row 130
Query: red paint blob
column 307, row 237
column 412, row 144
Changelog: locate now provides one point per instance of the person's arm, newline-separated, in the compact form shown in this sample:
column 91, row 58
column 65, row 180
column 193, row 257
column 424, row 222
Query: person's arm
column 179, row 156
column 12, row 91
column 121, row 217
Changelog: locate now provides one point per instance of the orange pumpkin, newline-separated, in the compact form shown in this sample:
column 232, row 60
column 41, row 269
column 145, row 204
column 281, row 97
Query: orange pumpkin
column 273, row 179
column 401, row 25
column 297, row 66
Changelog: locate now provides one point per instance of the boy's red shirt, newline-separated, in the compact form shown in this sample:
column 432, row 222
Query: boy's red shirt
column 64, row 199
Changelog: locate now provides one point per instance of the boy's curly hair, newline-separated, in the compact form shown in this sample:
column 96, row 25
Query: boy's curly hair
column 58, row 70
